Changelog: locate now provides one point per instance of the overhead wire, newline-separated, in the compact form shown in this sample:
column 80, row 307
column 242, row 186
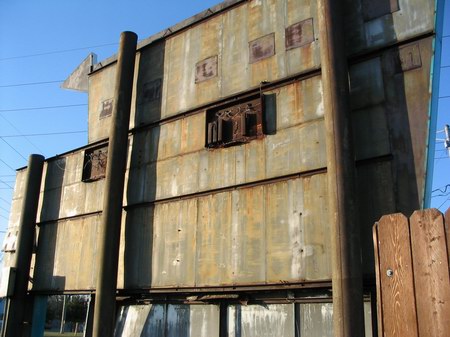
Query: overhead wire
column 4, row 217
column 17, row 130
column 14, row 149
column 5, row 201
column 57, row 52
column 1, row 181
column 44, row 134
column 44, row 107
column 6, row 164
column 29, row 83
column 7, row 210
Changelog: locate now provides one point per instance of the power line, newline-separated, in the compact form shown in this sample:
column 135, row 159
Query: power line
column 57, row 52
column 43, row 134
column 44, row 107
column 5, row 201
column 12, row 147
column 1, row 181
column 7, row 210
column 4, row 217
column 26, row 138
column 7, row 175
column 4, row 162
column 440, row 189
column 29, row 83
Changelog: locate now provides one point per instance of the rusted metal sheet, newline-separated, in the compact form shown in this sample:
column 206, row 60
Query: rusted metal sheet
column 409, row 57
column 228, row 37
column 214, row 240
column 106, row 108
column 174, row 244
column 299, row 34
column 246, row 236
column 206, row 69
column 262, row 48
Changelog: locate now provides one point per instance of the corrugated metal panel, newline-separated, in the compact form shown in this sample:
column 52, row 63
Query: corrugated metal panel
column 273, row 233
column 135, row 257
column 156, row 320
column 228, row 37
column 101, row 88
column 376, row 197
column 370, row 28
column 261, row 320
column 149, row 78
column 248, row 259
column 214, row 240
column 174, row 244
column 316, row 319
column 64, row 248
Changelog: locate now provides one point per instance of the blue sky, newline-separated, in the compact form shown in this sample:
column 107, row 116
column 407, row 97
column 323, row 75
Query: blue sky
column 33, row 36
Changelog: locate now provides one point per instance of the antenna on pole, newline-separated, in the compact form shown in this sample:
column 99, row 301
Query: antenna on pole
column 447, row 138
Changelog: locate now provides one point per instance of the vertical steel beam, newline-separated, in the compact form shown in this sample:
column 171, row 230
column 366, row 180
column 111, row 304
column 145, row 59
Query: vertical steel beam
column 348, row 309
column 109, row 241
column 14, row 322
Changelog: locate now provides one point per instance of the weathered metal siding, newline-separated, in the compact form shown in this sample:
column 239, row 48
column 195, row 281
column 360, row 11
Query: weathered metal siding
column 202, row 320
column 264, row 234
column 216, row 231
column 159, row 320
column 374, row 24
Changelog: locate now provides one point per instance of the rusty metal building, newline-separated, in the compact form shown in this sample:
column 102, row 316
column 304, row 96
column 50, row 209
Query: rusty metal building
column 225, row 222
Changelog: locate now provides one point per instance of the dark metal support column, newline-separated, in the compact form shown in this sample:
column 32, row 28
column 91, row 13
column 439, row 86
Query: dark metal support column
column 109, row 241
column 348, row 314
column 14, row 322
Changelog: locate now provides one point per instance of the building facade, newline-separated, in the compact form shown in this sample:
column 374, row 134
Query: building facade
column 225, row 226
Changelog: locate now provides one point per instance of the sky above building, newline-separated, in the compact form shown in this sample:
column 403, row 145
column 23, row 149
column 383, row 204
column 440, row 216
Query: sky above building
column 42, row 42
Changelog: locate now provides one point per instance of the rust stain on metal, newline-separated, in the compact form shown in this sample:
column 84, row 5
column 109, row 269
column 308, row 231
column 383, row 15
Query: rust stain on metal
column 262, row 48
column 106, row 108
column 299, row 34
column 409, row 58
column 374, row 9
column 206, row 69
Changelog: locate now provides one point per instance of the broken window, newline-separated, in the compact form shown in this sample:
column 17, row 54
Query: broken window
column 95, row 161
column 239, row 122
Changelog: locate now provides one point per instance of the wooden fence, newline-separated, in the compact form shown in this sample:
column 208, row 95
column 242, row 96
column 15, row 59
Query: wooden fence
column 413, row 275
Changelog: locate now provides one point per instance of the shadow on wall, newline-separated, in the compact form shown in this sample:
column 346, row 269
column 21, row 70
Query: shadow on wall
column 142, row 174
column 48, row 228
column 384, row 121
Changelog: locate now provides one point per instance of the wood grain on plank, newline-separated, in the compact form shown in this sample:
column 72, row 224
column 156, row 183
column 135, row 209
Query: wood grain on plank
column 397, row 288
column 377, row 274
column 431, row 276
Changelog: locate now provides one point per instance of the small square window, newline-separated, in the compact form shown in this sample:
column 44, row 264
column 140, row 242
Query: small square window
column 95, row 161
column 240, row 121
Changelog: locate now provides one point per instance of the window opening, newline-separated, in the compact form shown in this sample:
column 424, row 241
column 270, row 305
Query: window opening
column 95, row 161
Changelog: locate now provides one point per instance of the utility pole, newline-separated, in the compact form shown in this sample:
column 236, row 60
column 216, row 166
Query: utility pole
column 348, row 305
column 15, row 315
column 109, row 240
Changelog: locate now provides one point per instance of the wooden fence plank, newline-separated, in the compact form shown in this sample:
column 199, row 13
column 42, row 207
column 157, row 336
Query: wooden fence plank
column 431, row 278
column 447, row 232
column 397, row 286
column 377, row 275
